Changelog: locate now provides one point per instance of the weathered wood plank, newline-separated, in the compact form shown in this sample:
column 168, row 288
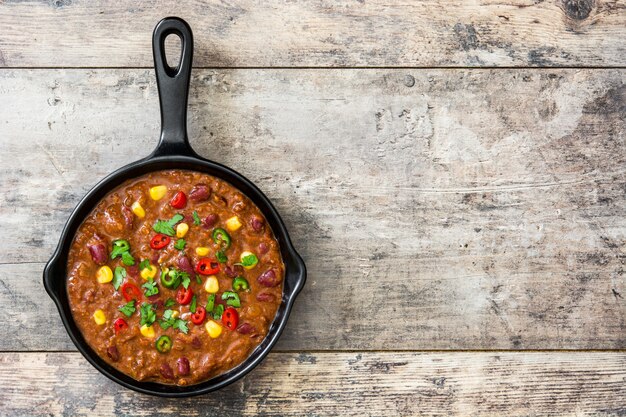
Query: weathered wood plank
column 355, row 384
column 345, row 33
column 473, row 209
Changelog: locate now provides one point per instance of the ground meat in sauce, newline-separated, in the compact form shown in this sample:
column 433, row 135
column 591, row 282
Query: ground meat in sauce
column 195, row 356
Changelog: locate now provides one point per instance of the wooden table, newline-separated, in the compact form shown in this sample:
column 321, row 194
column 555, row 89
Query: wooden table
column 453, row 172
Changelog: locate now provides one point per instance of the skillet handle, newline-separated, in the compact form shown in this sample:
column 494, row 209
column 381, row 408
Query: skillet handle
column 173, row 85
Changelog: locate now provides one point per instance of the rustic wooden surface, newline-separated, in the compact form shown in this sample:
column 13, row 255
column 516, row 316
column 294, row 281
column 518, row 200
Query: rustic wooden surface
column 320, row 33
column 476, row 211
column 354, row 384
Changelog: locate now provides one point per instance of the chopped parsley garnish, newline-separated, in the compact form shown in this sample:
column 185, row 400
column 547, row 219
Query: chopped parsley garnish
column 128, row 309
column 221, row 257
column 151, row 288
column 167, row 226
column 169, row 320
column 196, row 218
column 248, row 260
column 180, row 244
column 118, row 277
column 192, row 307
column 169, row 302
column 144, row 264
column 148, row 315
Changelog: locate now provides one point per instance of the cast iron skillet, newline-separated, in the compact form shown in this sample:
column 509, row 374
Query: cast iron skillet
column 174, row 152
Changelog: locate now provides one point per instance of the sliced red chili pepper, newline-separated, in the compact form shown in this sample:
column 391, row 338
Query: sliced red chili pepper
column 120, row 324
column 130, row 291
column 230, row 318
column 159, row 241
column 199, row 316
column 183, row 296
column 206, row 266
column 179, row 201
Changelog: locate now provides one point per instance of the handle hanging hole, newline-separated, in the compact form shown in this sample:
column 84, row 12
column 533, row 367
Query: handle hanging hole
column 173, row 51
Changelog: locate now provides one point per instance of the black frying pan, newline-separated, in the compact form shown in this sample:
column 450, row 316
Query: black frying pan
column 174, row 152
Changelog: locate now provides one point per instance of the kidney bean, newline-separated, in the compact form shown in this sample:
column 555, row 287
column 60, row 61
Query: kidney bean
column 184, row 264
column 265, row 297
column 183, row 366
column 268, row 278
column 196, row 343
column 98, row 253
column 263, row 248
column 210, row 221
column 233, row 271
column 257, row 224
column 113, row 353
column 166, row 371
column 245, row 328
column 128, row 217
column 133, row 270
column 200, row 192
column 156, row 301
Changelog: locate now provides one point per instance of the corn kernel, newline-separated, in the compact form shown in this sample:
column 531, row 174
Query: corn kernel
column 233, row 223
column 147, row 331
column 138, row 210
column 213, row 329
column 212, row 285
column 202, row 251
column 158, row 192
column 99, row 317
column 182, row 229
column 149, row 272
column 104, row 274
column 175, row 313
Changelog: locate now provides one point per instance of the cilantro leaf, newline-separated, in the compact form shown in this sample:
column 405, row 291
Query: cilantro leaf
column 170, row 302
column 248, row 260
column 161, row 226
column 148, row 316
column 180, row 244
column 144, row 264
column 151, row 288
column 218, row 311
column 128, row 309
column 118, row 277
column 127, row 259
column 167, row 226
column 169, row 320
column 181, row 325
column 221, row 257
column 185, row 279
column 232, row 299
column 196, row 218
column 192, row 307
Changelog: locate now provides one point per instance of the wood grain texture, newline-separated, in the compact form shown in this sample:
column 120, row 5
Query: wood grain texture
column 81, row 33
column 355, row 384
column 439, row 209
